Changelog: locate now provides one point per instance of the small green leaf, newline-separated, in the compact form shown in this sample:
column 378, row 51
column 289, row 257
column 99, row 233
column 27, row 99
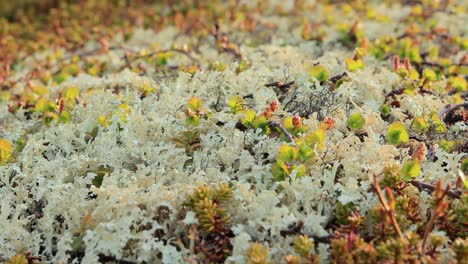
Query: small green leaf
column 437, row 124
column 262, row 123
column 464, row 166
column 6, row 149
column 193, row 120
column 103, row 121
column 287, row 153
column 287, row 123
column 236, row 104
column 60, row 78
column 447, row 145
column 123, row 110
column 280, row 170
column 320, row 73
column 305, row 153
column 243, row 65
column 65, row 117
column 49, row 117
column 413, row 74
column 385, row 110
column 410, row 169
column 194, row 104
column 249, row 117
column 355, row 121
column 458, row 83
column 71, row 92
column 429, row 74
column 301, row 170
column 420, row 124
column 464, row 43
column 44, row 105
column 397, row 134
column 315, row 138
column 354, row 65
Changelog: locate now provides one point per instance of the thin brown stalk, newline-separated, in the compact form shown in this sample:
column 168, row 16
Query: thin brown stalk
column 390, row 212
column 451, row 108
column 455, row 194
column 438, row 210
column 273, row 124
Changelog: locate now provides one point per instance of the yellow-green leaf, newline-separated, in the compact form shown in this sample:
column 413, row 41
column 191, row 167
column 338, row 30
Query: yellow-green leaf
column 301, row 170
column 280, row 170
column 305, row 153
column 420, row 124
column 354, row 65
column 249, row 117
column 5, row 150
column 437, row 124
column 103, row 121
column 315, row 138
column 355, row 121
column 287, row 153
column 193, row 120
column 320, row 73
column 396, row 133
column 44, row 105
column 194, row 104
column 410, row 169
column 287, row 123
column 65, row 117
column 429, row 74
column 236, row 104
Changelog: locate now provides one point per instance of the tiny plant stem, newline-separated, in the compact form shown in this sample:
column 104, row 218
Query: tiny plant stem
column 455, row 194
column 273, row 124
column 434, row 216
column 451, row 108
column 390, row 212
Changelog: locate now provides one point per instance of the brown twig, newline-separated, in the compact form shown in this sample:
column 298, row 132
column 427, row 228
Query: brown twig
column 390, row 211
column 451, row 108
column 438, row 211
column 294, row 230
column 455, row 194
column 274, row 124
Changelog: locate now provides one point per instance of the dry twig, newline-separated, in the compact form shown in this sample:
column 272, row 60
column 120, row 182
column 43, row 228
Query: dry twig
column 389, row 210
column 273, row 124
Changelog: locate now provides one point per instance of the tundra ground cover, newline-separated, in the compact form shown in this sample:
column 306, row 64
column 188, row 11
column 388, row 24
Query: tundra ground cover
column 237, row 132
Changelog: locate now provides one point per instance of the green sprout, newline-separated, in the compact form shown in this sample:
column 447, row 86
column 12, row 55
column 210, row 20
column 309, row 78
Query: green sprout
column 236, row 104
column 410, row 169
column 194, row 111
column 385, row 110
column 290, row 159
column 354, row 64
column 6, row 149
column 355, row 121
column 429, row 74
column 447, row 145
column 251, row 120
column 396, row 133
column 294, row 126
column 420, row 124
column 320, row 73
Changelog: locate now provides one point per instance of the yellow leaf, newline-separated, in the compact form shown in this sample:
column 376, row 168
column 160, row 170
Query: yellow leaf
column 5, row 150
